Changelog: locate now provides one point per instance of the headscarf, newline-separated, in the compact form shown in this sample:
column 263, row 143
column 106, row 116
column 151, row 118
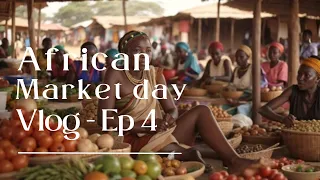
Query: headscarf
column 247, row 50
column 127, row 38
column 60, row 48
column 191, row 62
column 277, row 45
column 216, row 45
column 112, row 54
column 312, row 62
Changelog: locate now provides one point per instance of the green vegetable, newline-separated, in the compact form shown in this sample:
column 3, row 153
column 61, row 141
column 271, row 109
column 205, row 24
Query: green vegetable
column 299, row 169
column 192, row 169
column 310, row 170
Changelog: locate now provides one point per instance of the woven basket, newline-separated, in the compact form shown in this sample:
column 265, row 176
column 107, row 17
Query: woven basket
column 72, row 98
column 302, row 145
column 235, row 141
column 194, row 92
column 232, row 94
column 226, row 127
column 271, row 140
column 190, row 164
column 224, row 119
column 268, row 96
column 215, row 88
column 10, row 175
column 266, row 153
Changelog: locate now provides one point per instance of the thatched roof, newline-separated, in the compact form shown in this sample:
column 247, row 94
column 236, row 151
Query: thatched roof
column 109, row 21
column 5, row 7
column 82, row 24
column 279, row 7
column 210, row 11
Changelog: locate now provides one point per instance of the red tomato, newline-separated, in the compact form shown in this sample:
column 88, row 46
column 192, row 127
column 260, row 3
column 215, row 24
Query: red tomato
column 6, row 166
column 232, row 177
column 11, row 152
column 283, row 159
column 250, row 178
column 45, row 141
column 249, row 172
column 15, row 115
column 265, row 171
column 57, row 147
column 19, row 134
column 216, row 176
column 70, row 145
column 28, row 144
column 35, row 124
column 5, row 143
column 57, row 137
column 224, row 173
column 40, row 149
column 6, row 132
column 257, row 177
column 2, row 154
column 274, row 172
column 279, row 176
column 38, row 134
column 20, row 161
column 15, row 123
column 241, row 178
column 299, row 161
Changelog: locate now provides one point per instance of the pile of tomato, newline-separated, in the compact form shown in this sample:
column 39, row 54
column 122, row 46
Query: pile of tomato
column 279, row 163
column 14, row 139
column 263, row 173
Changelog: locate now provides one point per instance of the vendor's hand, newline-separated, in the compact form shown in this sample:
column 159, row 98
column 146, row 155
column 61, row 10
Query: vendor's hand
column 170, row 120
column 288, row 120
column 232, row 102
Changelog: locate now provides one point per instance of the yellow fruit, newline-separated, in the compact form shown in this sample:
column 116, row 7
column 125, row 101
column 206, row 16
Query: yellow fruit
column 140, row 167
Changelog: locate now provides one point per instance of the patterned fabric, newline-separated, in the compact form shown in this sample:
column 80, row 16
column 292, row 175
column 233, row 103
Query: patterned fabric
column 313, row 63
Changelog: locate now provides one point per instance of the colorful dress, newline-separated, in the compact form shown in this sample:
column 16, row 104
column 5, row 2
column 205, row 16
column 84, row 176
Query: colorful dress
column 91, row 75
column 139, row 109
column 277, row 73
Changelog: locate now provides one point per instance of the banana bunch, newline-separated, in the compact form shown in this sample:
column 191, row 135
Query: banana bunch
column 73, row 170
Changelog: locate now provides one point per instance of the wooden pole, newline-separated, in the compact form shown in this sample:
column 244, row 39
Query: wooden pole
column 256, row 71
column 124, row 15
column 232, row 34
column 6, row 29
column 39, row 26
column 31, row 31
column 218, row 22
column 199, row 34
column 13, row 28
column 293, row 40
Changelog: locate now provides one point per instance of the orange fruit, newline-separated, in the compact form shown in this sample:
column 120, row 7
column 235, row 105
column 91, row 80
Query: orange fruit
column 140, row 167
column 95, row 175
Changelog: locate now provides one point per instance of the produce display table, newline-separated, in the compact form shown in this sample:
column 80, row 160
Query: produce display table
column 63, row 105
column 203, row 100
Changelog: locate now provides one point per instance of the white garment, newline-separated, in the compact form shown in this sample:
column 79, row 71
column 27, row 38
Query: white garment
column 219, row 69
column 245, row 82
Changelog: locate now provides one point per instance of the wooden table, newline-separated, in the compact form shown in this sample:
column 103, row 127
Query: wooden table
column 203, row 100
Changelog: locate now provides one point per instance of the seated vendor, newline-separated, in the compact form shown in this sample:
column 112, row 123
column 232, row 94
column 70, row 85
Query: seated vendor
column 57, row 65
column 276, row 69
column 304, row 98
column 219, row 68
column 172, row 133
column 187, row 66
column 41, row 53
column 91, row 75
column 4, row 48
column 242, row 80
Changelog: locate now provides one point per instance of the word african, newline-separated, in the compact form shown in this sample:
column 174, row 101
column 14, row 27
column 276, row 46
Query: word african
column 121, row 57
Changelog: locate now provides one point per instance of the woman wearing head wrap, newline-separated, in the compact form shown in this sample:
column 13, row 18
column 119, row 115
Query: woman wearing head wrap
column 304, row 98
column 41, row 53
column 219, row 67
column 242, row 80
column 172, row 133
column 111, row 53
column 57, row 65
column 188, row 67
column 275, row 69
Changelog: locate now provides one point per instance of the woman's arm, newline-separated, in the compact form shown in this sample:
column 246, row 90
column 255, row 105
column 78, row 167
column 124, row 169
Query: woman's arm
column 167, row 104
column 113, row 77
column 228, row 72
column 268, row 109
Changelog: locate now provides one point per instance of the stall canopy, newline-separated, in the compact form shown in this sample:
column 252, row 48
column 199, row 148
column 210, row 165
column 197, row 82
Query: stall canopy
column 109, row 21
column 308, row 7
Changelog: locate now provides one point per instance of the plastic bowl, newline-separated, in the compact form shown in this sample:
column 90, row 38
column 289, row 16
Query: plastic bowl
column 289, row 172
column 14, row 79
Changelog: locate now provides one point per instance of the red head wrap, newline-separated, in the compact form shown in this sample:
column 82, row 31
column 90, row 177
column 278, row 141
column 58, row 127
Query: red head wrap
column 216, row 45
column 278, row 45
